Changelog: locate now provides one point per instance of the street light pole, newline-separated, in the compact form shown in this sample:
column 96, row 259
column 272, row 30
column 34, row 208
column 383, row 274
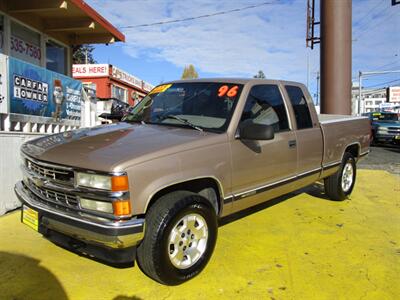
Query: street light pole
column 359, row 92
column 361, row 74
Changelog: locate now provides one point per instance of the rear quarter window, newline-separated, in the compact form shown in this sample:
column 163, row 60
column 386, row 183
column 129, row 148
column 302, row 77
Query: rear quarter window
column 300, row 107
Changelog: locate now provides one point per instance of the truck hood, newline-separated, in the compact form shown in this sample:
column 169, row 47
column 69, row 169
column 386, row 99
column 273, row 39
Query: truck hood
column 387, row 123
column 115, row 147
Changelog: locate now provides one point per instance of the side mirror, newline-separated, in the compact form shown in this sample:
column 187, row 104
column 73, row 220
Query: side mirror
column 252, row 131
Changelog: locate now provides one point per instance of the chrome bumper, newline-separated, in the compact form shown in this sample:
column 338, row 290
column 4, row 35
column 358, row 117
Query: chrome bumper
column 101, row 232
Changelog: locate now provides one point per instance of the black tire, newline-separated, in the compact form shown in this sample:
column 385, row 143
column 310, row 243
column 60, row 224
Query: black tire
column 152, row 254
column 333, row 183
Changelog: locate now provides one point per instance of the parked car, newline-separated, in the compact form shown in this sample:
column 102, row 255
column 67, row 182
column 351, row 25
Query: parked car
column 154, row 186
column 385, row 127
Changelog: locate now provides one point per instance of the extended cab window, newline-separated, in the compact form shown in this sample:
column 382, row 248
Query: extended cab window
column 265, row 106
column 300, row 107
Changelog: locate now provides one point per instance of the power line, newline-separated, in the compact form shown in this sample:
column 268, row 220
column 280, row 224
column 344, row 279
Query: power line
column 389, row 64
column 198, row 17
column 367, row 21
column 375, row 25
column 383, row 83
column 361, row 19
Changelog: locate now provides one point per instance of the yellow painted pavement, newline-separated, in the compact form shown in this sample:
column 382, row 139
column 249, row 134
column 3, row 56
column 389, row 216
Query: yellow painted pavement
column 303, row 247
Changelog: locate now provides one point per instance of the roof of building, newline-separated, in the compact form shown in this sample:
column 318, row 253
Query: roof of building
column 72, row 22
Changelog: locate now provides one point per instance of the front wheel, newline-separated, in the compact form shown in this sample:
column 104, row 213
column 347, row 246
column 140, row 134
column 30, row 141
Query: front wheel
column 181, row 232
column 340, row 185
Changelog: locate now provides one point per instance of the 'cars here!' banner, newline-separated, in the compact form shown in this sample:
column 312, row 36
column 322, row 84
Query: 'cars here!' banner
column 40, row 92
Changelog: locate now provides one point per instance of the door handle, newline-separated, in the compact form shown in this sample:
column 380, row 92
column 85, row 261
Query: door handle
column 292, row 144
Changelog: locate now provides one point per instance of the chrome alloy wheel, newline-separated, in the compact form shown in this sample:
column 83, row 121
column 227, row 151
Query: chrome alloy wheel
column 187, row 241
column 347, row 176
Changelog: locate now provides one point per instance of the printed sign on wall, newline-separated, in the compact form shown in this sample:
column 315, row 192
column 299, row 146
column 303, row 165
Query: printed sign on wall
column 90, row 70
column 40, row 92
column 394, row 94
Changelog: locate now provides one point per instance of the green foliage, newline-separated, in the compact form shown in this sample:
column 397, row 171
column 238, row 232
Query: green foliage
column 189, row 72
column 80, row 52
column 260, row 74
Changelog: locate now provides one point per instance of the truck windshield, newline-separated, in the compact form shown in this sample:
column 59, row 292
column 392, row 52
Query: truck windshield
column 198, row 105
column 385, row 116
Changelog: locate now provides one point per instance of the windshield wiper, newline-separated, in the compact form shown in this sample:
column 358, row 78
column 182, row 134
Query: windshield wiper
column 184, row 121
column 134, row 121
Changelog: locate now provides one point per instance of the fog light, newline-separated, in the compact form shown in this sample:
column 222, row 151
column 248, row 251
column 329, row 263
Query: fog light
column 122, row 207
column 102, row 206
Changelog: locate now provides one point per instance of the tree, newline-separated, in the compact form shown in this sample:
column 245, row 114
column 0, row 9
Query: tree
column 260, row 74
column 82, row 54
column 189, row 72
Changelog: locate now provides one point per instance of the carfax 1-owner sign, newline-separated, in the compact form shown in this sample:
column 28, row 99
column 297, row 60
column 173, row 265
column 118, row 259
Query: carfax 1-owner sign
column 40, row 92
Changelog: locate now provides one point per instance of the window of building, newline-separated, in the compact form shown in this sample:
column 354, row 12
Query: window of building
column 119, row 93
column 25, row 44
column 56, row 57
column 300, row 107
column 264, row 105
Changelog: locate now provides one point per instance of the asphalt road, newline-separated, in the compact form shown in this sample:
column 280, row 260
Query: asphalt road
column 382, row 158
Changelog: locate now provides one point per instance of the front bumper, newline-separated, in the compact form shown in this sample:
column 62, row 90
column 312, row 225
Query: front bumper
column 387, row 138
column 87, row 229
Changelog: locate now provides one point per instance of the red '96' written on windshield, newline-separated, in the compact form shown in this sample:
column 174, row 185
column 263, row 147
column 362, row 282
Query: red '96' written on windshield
column 226, row 91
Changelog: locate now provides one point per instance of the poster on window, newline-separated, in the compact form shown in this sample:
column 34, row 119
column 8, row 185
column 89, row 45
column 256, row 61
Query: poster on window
column 25, row 50
column 40, row 92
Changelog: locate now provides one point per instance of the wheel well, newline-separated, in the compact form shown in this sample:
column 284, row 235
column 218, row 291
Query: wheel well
column 206, row 187
column 353, row 150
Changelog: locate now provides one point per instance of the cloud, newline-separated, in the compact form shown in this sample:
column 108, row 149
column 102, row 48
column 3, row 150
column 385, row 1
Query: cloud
column 237, row 44
column 270, row 37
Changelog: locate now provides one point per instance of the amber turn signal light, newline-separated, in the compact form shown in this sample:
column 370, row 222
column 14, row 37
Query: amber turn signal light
column 119, row 183
column 122, row 207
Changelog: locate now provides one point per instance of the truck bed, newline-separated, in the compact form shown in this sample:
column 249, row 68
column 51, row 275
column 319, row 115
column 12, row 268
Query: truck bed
column 328, row 118
column 341, row 131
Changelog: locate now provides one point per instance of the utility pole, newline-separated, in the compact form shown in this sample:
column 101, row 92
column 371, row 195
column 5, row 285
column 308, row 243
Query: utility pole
column 317, row 88
column 308, row 69
column 336, row 57
column 335, row 53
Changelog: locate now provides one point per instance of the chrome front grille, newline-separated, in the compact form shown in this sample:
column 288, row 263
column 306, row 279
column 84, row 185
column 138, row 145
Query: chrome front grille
column 394, row 130
column 55, row 197
column 50, row 172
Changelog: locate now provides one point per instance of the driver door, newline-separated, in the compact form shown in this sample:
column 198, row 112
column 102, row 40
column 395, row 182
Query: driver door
column 261, row 169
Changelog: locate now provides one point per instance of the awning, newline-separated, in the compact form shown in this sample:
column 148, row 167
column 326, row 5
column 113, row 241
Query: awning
column 73, row 22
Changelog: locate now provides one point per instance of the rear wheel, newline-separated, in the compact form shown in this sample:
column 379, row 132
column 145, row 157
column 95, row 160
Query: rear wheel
column 340, row 185
column 181, row 232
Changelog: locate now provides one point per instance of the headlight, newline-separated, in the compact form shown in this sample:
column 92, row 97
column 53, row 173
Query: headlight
column 118, row 207
column 103, row 182
column 383, row 129
column 106, row 207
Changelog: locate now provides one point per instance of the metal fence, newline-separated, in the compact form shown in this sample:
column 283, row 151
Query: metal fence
column 10, row 171
column 16, row 129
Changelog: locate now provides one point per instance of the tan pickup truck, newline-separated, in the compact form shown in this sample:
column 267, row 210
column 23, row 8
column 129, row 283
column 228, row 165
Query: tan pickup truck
column 153, row 186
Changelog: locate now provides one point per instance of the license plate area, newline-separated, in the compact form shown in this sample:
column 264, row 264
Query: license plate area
column 30, row 217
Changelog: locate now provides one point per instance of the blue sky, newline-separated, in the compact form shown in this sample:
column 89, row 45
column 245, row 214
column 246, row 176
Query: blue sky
column 270, row 38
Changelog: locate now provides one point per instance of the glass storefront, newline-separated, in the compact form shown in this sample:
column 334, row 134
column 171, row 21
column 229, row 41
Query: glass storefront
column 119, row 93
column 25, row 44
column 56, row 57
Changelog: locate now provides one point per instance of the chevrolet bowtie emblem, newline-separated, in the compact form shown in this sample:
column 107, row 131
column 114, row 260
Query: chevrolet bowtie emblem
column 38, row 182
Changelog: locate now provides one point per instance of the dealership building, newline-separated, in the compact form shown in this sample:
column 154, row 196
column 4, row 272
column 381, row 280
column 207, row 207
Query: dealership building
column 110, row 82
column 38, row 94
